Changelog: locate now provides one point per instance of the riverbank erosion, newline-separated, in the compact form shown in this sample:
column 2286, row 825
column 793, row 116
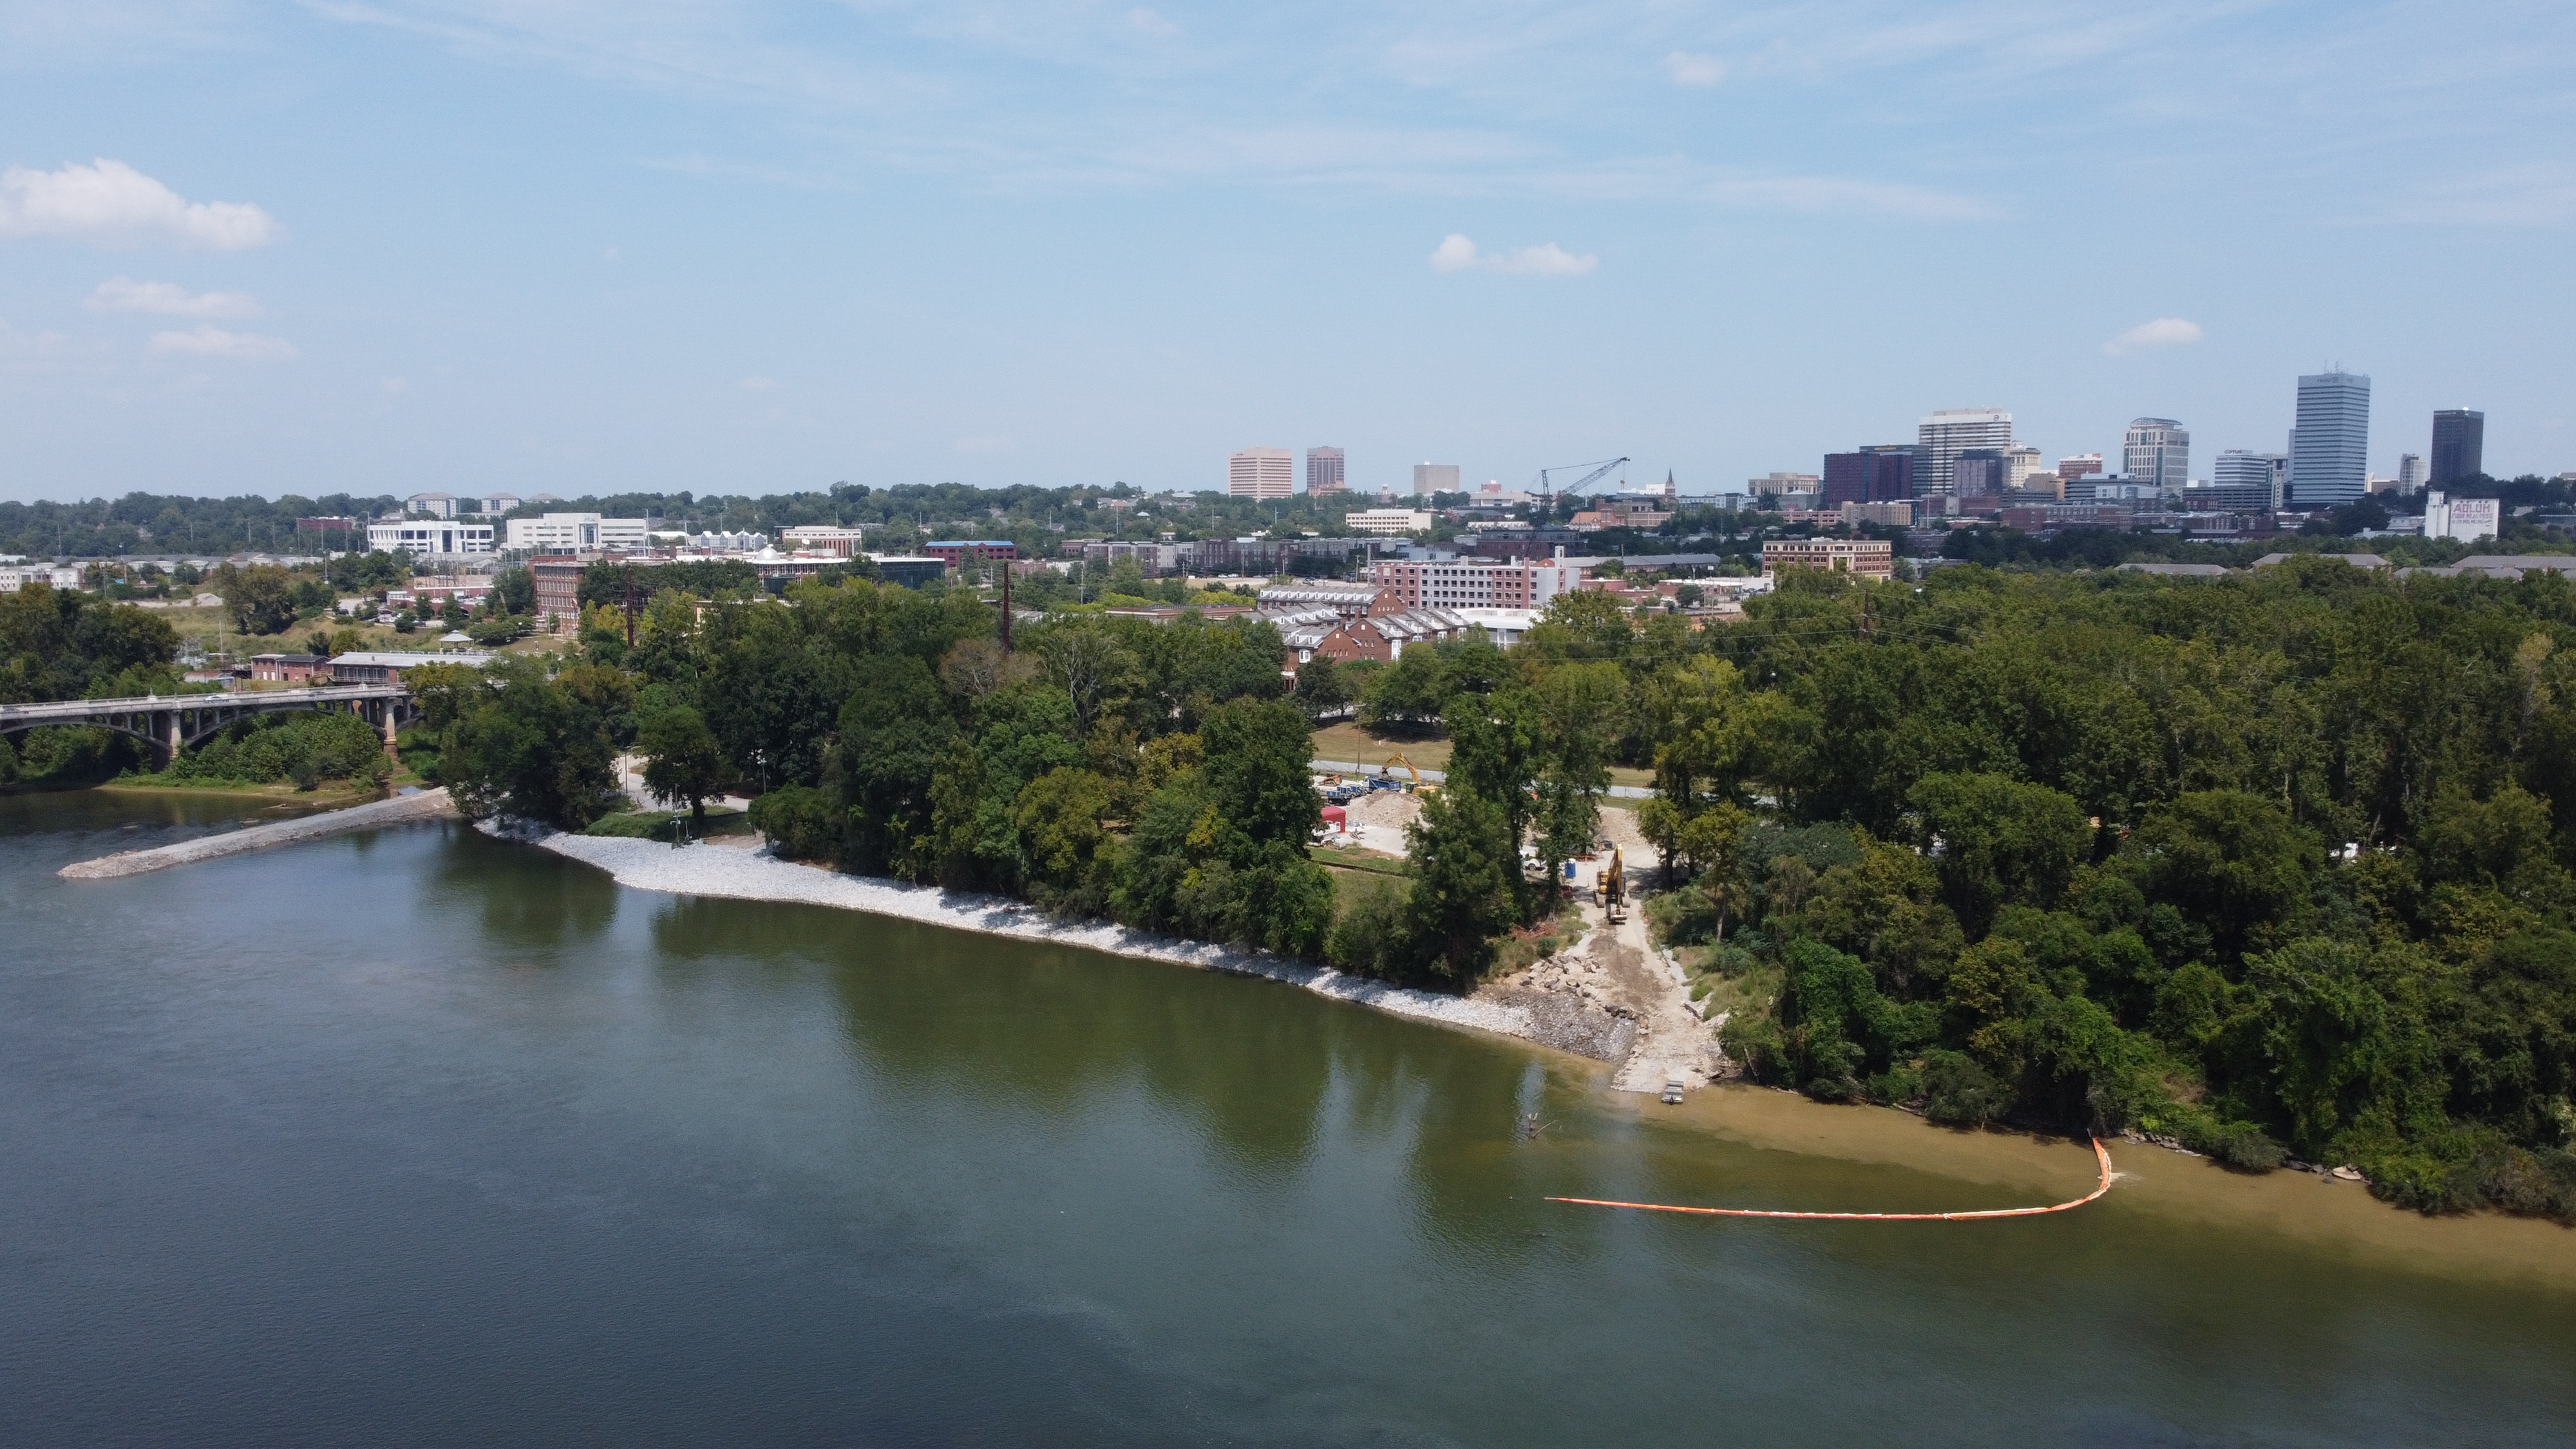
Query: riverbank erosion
column 1599, row 999
column 426, row 805
column 744, row 874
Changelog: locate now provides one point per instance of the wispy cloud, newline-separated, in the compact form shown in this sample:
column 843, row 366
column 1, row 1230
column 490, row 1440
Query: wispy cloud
column 111, row 203
column 1151, row 23
column 1458, row 254
column 1694, row 70
column 216, row 342
column 2540, row 193
column 2162, row 332
column 169, row 299
column 755, row 383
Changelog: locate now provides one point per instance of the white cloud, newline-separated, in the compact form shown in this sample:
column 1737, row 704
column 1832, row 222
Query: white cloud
column 755, row 383
column 397, row 384
column 2162, row 332
column 1694, row 70
column 111, row 202
column 1545, row 260
column 216, row 342
column 1456, row 253
column 1151, row 23
column 169, row 299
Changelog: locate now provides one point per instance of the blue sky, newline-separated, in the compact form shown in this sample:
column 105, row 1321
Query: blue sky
column 577, row 246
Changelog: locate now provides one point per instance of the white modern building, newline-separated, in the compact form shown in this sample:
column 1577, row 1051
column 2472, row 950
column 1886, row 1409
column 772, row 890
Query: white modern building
column 1261, row 473
column 1942, row 436
column 2466, row 519
column 429, row 537
column 828, row 538
column 1387, row 520
column 1430, row 478
column 2411, row 472
column 2249, row 480
column 2330, row 446
column 2157, row 449
column 14, row 577
column 573, row 533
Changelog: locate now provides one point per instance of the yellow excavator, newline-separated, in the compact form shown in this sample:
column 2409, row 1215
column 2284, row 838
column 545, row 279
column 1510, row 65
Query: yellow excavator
column 1611, row 886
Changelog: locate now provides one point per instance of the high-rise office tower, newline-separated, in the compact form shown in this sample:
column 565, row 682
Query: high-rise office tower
column 1978, row 473
column 1882, row 473
column 1430, row 478
column 2019, row 464
column 1261, row 473
column 2459, row 445
column 2330, row 447
column 2410, row 472
column 1944, row 435
column 2252, row 480
column 1324, row 471
column 2158, row 451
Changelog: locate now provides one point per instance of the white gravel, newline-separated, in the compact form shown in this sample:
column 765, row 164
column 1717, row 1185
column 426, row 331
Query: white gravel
column 711, row 870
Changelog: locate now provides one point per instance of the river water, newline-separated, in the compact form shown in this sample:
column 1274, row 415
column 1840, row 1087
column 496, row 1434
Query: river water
column 422, row 1138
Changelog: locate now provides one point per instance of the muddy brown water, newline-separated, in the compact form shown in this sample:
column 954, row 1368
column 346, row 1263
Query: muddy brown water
column 413, row 1136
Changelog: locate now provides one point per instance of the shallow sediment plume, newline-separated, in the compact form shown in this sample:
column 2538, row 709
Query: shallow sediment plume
column 425, row 805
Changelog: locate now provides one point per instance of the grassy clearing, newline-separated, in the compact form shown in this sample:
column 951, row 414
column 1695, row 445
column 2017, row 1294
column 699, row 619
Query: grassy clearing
column 1749, row 993
column 656, row 824
column 1367, row 862
column 1347, row 740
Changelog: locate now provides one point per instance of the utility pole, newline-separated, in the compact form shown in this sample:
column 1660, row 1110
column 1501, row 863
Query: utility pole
column 1006, row 606
column 630, row 606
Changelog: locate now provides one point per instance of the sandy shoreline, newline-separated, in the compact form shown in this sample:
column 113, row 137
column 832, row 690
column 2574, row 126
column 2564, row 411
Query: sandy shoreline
column 739, row 874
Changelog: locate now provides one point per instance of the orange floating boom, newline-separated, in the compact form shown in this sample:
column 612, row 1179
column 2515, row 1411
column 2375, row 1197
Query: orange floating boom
column 2100, row 1153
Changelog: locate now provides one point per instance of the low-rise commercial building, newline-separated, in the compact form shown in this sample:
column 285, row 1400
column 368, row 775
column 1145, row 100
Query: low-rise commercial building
column 832, row 539
column 959, row 552
column 1871, row 558
column 1474, row 583
column 386, row 666
column 1387, row 520
column 289, row 668
column 909, row 571
column 429, row 538
column 573, row 533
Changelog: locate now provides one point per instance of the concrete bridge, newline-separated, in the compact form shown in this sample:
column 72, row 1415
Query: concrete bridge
column 171, row 723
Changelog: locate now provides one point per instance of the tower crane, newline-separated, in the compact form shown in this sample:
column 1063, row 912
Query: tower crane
column 1547, row 497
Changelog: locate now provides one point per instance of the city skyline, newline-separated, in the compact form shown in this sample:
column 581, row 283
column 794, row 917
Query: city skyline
column 748, row 248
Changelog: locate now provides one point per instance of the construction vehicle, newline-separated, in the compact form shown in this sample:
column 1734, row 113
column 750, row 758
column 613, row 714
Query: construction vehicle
column 1612, row 888
column 1547, row 495
column 1391, row 763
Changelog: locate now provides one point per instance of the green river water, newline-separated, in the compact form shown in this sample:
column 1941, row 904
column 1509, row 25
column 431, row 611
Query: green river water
column 417, row 1137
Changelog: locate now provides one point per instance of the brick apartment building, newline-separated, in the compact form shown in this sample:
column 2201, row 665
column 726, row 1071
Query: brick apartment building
column 1871, row 558
column 1475, row 583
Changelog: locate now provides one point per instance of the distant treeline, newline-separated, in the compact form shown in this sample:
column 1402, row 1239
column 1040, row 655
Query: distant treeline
column 145, row 523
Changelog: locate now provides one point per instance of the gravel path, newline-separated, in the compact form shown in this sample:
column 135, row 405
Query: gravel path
column 704, row 870
column 428, row 804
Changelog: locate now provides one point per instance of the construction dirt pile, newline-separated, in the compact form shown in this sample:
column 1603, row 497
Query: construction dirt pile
column 1613, row 998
